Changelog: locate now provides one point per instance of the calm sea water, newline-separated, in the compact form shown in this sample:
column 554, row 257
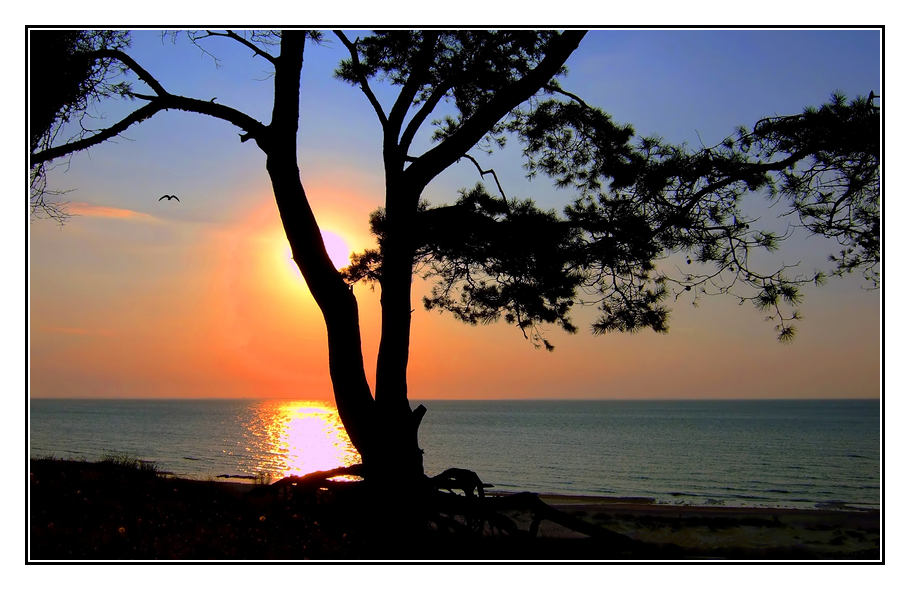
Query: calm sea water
column 763, row 453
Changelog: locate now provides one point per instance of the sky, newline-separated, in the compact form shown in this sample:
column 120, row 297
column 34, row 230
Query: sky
column 136, row 297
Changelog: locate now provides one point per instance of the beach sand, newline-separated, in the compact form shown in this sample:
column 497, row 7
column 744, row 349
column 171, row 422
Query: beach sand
column 90, row 511
column 730, row 532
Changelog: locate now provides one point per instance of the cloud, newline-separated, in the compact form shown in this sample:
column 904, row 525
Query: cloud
column 75, row 331
column 87, row 210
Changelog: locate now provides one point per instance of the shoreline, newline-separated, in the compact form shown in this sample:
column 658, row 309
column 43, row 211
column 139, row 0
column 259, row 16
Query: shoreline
column 568, row 499
column 240, row 482
column 591, row 501
column 744, row 532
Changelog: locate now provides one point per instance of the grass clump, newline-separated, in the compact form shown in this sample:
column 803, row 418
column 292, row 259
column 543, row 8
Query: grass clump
column 127, row 461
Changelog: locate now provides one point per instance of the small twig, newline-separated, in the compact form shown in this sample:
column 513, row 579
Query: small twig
column 558, row 90
column 243, row 41
column 495, row 177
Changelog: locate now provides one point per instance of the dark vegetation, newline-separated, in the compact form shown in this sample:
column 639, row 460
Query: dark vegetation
column 118, row 509
column 73, row 78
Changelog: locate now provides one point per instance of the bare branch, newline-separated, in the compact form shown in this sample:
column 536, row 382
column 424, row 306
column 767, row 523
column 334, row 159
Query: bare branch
column 495, row 177
column 103, row 135
column 132, row 65
column 364, row 85
column 555, row 88
column 243, row 41
column 253, row 127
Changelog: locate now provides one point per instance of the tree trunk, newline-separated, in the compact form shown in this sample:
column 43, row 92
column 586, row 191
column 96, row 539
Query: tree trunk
column 383, row 431
column 401, row 457
column 335, row 299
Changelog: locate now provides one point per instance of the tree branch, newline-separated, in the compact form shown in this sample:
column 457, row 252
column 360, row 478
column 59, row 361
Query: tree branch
column 429, row 165
column 364, row 84
column 131, row 64
column 555, row 88
column 103, row 135
column 495, row 177
column 412, row 86
column 166, row 101
column 243, row 41
column 219, row 111
column 411, row 130
column 743, row 174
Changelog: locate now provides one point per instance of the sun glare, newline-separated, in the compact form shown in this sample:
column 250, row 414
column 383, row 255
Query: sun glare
column 337, row 249
column 335, row 246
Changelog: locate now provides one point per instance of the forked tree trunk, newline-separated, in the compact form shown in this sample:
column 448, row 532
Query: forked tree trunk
column 384, row 431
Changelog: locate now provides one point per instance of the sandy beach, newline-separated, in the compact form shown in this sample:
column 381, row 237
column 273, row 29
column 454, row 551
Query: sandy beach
column 730, row 532
column 90, row 511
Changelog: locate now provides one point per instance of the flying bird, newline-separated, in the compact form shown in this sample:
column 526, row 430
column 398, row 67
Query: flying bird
column 168, row 197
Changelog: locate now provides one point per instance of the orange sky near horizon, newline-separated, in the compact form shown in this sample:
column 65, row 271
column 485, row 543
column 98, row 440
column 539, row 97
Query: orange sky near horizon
column 223, row 313
column 234, row 315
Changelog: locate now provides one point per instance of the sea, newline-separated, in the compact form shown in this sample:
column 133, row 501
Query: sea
column 775, row 453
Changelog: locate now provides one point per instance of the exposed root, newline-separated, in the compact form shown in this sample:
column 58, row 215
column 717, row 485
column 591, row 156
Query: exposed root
column 453, row 502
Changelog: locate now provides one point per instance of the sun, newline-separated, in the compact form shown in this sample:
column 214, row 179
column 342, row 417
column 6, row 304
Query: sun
column 337, row 249
column 335, row 246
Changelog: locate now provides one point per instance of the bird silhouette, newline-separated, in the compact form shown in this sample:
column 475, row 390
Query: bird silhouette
column 168, row 197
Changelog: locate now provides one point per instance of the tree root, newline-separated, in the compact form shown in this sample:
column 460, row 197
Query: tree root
column 470, row 513
column 309, row 482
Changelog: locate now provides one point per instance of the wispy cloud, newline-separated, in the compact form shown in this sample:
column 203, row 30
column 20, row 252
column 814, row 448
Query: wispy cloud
column 87, row 210
column 74, row 331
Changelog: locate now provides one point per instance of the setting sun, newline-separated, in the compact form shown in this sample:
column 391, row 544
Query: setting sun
column 335, row 246
column 337, row 249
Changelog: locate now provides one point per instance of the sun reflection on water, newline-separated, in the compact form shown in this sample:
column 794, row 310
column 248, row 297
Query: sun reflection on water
column 299, row 437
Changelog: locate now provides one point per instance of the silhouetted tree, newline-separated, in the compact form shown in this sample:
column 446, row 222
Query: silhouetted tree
column 69, row 74
column 638, row 200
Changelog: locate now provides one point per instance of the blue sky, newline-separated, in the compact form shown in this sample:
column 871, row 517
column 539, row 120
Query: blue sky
column 680, row 84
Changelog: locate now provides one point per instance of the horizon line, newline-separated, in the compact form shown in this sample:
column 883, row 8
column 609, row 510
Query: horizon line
column 503, row 399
